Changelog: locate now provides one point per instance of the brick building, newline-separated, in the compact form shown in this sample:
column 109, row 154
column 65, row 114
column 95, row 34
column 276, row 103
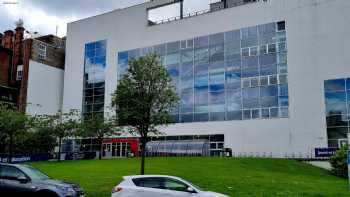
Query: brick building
column 31, row 71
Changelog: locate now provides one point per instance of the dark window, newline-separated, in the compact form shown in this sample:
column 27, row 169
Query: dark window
column 175, row 185
column 157, row 183
column 281, row 26
column 10, row 173
column 247, row 115
column 265, row 113
column 234, row 115
column 337, row 133
column 217, row 138
column 335, row 85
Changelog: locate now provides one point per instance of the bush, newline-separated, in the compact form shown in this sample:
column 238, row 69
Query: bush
column 339, row 162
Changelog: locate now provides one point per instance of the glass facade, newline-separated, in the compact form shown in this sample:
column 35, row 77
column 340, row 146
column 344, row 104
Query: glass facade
column 235, row 75
column 337, row 97
column 94, row 78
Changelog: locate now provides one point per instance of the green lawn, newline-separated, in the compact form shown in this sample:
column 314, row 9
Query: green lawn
column 247, row 177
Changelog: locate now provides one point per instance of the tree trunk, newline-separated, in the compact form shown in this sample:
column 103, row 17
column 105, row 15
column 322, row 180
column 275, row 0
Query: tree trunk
column 101, row 148
column 59, row 149
column 143, row 154
column 10, row 149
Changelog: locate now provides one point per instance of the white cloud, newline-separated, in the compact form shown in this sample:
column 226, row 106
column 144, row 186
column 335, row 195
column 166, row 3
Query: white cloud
column 44, row 15
column 38, row 20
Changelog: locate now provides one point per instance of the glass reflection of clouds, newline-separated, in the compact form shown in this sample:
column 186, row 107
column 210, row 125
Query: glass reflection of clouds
column 225, row 75
column 94, row 77
column 337, row 100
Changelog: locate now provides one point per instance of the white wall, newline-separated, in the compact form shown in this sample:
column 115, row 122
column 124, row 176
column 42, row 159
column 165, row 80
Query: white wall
column 45, row 89
column 317, row 37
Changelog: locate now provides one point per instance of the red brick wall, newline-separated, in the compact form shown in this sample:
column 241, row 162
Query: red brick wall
column 4, row 68
column 22, row 99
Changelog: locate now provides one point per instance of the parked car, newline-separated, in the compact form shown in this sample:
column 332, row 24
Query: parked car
column 159, row 186
column 25, row 180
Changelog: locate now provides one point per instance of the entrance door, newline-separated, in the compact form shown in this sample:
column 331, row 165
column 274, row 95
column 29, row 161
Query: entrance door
column 122, row 149
column 107, row 150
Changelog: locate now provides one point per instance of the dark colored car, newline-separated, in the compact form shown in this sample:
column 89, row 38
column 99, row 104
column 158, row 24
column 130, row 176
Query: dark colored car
column 24, row 180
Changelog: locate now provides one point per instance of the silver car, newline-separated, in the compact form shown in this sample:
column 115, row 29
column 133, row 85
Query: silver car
column 23, row 180
column 159, row 186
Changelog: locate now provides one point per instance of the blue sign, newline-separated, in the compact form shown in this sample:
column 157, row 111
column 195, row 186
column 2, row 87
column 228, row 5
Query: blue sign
column 325, row 152
column 348, row 157
column 25, row 158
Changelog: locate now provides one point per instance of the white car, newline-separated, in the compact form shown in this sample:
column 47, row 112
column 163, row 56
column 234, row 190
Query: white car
column 159, row 186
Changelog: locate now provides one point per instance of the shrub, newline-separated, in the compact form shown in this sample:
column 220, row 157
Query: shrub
column 339, row 162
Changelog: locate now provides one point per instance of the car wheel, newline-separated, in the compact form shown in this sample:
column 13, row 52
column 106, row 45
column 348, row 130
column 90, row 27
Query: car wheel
column 47, row 194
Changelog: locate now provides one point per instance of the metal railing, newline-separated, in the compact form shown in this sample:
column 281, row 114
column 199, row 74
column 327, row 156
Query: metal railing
column 230, row 4
column 197, row 13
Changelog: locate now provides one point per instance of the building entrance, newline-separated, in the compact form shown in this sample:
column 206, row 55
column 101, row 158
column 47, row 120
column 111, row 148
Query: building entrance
column 119, row 148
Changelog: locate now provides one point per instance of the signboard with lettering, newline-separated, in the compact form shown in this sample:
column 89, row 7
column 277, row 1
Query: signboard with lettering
column 325, row 152
column 25, row 158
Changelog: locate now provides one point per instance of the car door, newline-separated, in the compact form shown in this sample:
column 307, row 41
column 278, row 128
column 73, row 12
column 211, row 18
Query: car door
column 10, row 184
column 178, row 188
column 1, row 185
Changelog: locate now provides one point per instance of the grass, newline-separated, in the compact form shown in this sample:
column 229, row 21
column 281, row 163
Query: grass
column 246, row 177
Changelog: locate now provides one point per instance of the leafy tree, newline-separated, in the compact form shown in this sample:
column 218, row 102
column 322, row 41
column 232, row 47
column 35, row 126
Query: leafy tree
column 36, row 140
column 98, row 127
column 62, row 125
column 12, row 124
column 144, row 98
column 2, row 142
column 339, row 162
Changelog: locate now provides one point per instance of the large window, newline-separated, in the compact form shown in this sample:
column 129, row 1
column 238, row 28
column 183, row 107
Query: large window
column 337, row 97
column 235, row 75
column 94, row 78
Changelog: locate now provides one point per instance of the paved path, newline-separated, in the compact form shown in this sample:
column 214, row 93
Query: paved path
column 321, row 164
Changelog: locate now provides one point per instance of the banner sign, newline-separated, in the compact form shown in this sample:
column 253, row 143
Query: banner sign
column 25, row 158
column 325, row 152
column 80, row 155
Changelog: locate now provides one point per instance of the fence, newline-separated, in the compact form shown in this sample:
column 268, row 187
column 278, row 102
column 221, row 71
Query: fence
column 178, row 148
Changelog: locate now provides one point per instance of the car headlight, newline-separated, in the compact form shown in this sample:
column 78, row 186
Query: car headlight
column 66, row 189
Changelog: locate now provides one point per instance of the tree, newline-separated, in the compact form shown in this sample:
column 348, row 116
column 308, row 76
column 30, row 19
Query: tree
column 98, row 127
column 339, row 162
column 12, row 124
column 144, row 99
column 62, row 125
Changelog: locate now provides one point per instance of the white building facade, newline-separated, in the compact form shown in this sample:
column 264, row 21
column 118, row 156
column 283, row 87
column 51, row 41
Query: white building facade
column 258, row 78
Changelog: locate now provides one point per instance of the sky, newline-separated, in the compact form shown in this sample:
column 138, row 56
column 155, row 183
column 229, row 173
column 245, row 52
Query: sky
column 43, row 16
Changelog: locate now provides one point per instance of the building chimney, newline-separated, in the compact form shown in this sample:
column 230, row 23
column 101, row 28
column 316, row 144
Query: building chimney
column 0, row 39
column 17, row 52
column 7, row 39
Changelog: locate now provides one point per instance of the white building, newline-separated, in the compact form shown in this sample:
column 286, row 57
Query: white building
column 252, row 74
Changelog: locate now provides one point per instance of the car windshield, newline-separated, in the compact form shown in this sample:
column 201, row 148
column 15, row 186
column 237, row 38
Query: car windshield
column 34, row 174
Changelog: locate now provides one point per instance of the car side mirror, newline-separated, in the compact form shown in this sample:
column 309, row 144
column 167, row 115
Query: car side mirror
column 23, row 180
column 191, row 190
